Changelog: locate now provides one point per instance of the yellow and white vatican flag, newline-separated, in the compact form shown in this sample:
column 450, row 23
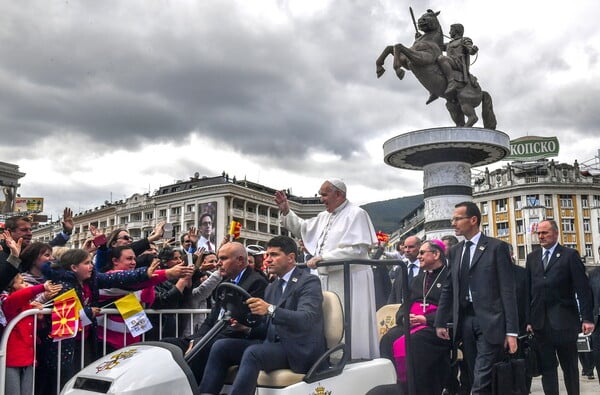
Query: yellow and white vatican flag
column 133, row 314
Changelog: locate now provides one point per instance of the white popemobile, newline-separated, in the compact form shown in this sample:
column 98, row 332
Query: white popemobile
column 160, row 368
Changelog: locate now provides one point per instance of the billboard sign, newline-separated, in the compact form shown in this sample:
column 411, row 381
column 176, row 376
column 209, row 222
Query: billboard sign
column 532, row 148
column 30, row 205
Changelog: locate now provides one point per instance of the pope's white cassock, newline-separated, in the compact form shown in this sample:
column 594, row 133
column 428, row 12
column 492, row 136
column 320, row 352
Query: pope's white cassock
column 345, row 233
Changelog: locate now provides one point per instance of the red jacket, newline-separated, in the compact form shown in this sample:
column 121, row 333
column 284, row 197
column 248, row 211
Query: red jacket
column 20, row 343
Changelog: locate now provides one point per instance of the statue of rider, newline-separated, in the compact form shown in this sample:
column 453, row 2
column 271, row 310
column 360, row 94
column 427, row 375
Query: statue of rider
column 455, row 65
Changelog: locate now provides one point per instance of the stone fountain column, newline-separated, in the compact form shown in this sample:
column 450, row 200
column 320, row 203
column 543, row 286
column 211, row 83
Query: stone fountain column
column 445, row 155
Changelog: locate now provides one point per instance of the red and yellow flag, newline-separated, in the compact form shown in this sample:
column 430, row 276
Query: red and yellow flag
column 65, row 319
column 382, row 237
column 235, row 228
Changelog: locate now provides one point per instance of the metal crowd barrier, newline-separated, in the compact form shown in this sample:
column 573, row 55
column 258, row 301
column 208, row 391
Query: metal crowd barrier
column 103, row 313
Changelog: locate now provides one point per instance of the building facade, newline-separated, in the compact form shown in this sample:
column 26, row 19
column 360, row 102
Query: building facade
column 515, row 198
column 183, row 204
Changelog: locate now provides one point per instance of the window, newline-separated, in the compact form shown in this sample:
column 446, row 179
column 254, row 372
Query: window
column 518, row 204
column 189, row 208
column 502, row 229
column 501, row 205
column 123, row 220
column 573, row 246
column 520, row 227
column 521, row 252
column 566, row 201
column 568, row 225
column 589, row 250
column 175, row 210
column 548, row 200
column 533, row 200
column 102, row 224
column 484, row 208
column 162, row 212
column 587, row 226
column 149, row 215
column 585, row 201
column 136, row 216
column 596, row 201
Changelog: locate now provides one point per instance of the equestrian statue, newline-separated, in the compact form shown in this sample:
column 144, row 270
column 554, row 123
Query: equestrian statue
column 445, row 76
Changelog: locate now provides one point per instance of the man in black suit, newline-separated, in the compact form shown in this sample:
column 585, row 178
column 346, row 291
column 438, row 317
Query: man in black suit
column 233, row 266
column 595, row 285
column 555, row 275
column 480, row 298
column 292, row 324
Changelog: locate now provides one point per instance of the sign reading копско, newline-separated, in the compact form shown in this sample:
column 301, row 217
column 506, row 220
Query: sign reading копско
column 532, row 148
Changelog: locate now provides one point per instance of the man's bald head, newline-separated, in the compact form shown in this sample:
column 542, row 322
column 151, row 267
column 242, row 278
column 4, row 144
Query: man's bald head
column 233, row 258
column 411, row 247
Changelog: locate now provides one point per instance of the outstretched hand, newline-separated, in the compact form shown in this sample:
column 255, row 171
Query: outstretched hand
column 282, row 202
column 67, row 221
column 14, row 246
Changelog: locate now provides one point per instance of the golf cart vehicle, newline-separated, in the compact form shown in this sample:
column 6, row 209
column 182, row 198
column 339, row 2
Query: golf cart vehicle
column 160, row 368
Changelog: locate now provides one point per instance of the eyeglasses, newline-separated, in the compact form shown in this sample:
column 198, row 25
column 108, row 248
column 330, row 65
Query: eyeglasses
column 456, row 219
column 129, row 238
column 422, row 252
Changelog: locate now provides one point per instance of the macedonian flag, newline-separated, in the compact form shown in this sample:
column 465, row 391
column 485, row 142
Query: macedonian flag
column 234, row 229
column 65, row 319
column 382, row 237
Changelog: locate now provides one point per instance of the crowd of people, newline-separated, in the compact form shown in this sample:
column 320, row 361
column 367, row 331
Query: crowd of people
column 468, row 295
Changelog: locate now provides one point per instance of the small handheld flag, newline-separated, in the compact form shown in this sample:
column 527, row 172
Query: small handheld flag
column 382, row 237
column 235, row 228
column 133, row 314
column 65, row 319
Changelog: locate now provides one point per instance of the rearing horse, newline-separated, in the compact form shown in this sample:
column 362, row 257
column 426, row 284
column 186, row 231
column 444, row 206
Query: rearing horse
column 421, row 59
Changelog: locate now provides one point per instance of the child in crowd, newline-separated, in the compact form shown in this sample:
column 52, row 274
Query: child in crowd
column 20, row 356
column 75, row 270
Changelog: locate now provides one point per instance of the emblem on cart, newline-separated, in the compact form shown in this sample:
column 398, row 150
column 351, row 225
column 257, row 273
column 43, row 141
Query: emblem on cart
column 321, row 391
column 115, row 360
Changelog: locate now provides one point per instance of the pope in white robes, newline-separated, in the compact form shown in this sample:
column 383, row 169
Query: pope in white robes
column 342, row 231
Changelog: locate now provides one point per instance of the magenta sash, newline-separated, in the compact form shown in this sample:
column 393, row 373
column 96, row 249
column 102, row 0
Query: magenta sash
column 399, row 347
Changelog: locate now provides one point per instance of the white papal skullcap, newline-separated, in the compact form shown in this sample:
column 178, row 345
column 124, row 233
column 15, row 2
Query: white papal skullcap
column 339, row 184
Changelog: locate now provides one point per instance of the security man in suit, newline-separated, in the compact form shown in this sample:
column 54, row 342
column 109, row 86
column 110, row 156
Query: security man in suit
column 555, row 275
column 233, row 265
column 292, row 326
column 480, row 299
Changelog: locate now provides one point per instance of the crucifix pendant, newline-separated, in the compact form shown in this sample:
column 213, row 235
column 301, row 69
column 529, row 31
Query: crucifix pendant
column 424, row 305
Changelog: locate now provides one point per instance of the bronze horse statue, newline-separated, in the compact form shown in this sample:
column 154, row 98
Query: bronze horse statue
column 422, row 58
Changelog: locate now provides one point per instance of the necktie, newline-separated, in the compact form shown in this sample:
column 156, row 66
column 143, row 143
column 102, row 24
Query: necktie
column 411, row 272
column 465, row 264
column 208, row 246
column 272, row 330
column 546, row 259
column 278, row 291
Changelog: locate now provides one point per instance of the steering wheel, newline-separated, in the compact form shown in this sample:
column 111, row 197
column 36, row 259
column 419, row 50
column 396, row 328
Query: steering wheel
column 233, row 298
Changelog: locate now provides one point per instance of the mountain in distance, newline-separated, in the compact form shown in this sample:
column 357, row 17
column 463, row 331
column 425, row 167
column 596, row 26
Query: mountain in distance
column 386, row 214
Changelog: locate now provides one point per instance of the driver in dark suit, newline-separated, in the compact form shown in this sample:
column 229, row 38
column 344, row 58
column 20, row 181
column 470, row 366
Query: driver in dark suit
column 233, row 266
column 480, row 299
column 292, row 324
column 556, row 273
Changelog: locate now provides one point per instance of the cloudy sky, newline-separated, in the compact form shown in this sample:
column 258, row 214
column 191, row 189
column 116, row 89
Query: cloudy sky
column 110, row 98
